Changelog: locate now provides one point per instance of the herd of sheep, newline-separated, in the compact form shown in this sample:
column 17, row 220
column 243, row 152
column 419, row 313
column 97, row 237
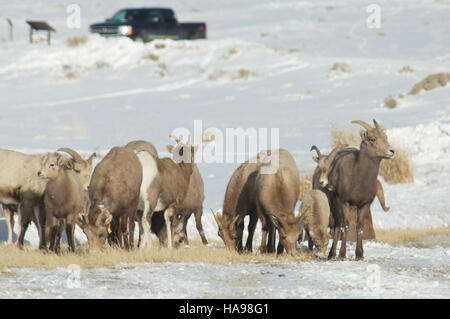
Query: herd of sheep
column 133, row 184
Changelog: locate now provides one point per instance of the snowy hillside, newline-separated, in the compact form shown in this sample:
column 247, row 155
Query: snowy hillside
column 266, row 64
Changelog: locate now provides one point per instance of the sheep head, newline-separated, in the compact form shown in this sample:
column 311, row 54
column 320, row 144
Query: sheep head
column 374, row 141
column 227, row 229
column 324, row 162
column 95, row 226
column 81, row 166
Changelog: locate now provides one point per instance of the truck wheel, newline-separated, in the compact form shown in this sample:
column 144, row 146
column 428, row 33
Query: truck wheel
column 193, row 35
column 141, row 37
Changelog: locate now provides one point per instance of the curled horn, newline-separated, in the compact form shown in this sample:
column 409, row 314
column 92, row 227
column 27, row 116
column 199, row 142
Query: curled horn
column 175, row 138
column 72, row 153
column 363, row 124
column 316, row 149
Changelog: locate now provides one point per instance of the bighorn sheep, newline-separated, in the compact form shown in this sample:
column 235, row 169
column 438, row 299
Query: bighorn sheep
column 113, row 193
column 23, row 190
column 64, row 196
column 315, row 216
column 165, row 184
column 175, row 178
column 150, row 186
column 353, row 182
column 276, row 195
column 192, row 203
column 320, row 175
column 20, row 187
column 239, row 201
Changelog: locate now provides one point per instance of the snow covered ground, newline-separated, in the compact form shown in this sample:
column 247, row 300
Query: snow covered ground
column 265, row 64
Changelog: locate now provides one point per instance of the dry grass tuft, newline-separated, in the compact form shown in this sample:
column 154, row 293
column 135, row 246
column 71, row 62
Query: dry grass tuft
column 406, row 69
column 76, row 41
column 397, row 237
column 394, row 171
column 244, row 74
column 12, row 257
column 151, row 56
column 431, row 82
column 71, row 75
column 160, row 45
column 390, row 102
column 305, row 184
column 217, row 74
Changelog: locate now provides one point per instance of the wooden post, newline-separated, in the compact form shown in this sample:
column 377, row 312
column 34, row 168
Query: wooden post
column 48, row 36
column 31, row 34
column 10, row 29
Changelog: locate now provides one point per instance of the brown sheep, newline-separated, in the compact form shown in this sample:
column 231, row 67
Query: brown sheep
column 63, row 198
column 239, row 202
column 276, row 195
column 353, row 182
column 113, row 194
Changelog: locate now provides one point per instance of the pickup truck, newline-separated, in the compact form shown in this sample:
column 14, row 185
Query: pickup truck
column 146, row 24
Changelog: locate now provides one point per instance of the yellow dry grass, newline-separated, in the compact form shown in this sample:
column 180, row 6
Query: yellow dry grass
column 305, row 184
column 12, row 257
column 76, row 41
column 394, row 171
column 398, row 237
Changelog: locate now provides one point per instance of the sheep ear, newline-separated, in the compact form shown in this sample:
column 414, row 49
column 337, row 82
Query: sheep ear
column 218, row 218
column 169, row 148
column 363, row 134
column 315, row 159
column 65, row 162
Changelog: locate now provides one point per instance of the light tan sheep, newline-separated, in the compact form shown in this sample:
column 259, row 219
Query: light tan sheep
column 315, row 215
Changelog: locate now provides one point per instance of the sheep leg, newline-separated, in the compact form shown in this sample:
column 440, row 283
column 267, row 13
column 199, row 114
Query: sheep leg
column 39, row 219
column 168, row 213
column 272, row 238
column 310, row 240
column 141, row 230
column 54, row 230
column 359, row 253
column 59, row 233
column 131, row 226
column 70, row 228
column 280, row 247
column 264, row 228
column 9, row 214
column 240, row 233
column 198, row 223
column 146, row 223
column 25, row 212
column 251, row 231
column 123, row 223
column 344, row 230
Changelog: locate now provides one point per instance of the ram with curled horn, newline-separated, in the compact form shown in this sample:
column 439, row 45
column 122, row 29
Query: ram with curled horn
column 352, row 181
column 80, row 165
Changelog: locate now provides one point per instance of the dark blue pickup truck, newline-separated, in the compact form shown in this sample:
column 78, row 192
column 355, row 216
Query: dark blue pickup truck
column 146, row 24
